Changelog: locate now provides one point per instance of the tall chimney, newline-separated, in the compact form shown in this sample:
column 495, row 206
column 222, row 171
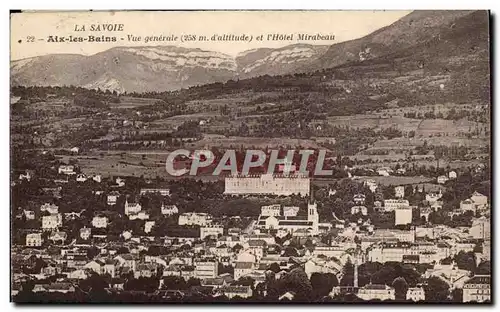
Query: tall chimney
column 356, row 271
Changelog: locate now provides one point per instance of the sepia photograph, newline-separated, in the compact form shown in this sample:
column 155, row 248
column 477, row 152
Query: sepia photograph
column 308, row 156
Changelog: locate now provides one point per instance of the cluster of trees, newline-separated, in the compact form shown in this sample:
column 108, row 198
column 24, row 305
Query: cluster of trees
column 81, row 96
column 451, row 114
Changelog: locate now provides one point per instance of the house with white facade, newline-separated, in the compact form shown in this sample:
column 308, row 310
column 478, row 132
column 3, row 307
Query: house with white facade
column 34, row 240
column 213, row 231
column 132, row 208
column 375, row 291
column 52, row 221
column 415, row 294
column 169, row 210
column 100, row 222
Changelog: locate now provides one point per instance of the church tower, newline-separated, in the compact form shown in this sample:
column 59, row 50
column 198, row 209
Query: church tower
column 312, row 213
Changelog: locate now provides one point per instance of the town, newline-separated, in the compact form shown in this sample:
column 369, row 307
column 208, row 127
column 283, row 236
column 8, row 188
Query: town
column 354, row 170
column 89, row 238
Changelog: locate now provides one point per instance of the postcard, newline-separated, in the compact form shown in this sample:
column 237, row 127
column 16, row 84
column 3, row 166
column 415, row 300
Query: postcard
column 250, row 156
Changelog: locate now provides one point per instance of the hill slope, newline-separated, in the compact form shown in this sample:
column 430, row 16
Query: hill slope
column 409, row 43
column 412, row 29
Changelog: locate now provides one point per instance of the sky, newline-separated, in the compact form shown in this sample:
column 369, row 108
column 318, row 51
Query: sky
column 30, row 31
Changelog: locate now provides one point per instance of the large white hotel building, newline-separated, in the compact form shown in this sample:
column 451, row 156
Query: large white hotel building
column 268, row 184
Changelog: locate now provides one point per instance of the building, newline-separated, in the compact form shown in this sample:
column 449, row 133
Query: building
column 268, row 184
column 433, row 197
column 211, row 230
column 81, row 177
column 206, row 269
column 449, row 273
column 442, row 179
column 161, row 191
column 372, row 185
column 487, row 250
column 271, row 210
column 29, row 214
column 100, row 222
column 85, row 233
column 359, row 209
column 389, row 251
column 112, row 198
column 403, row 215
column 479, row 199
column 359, row 199
column 290, row 211
column 67, row 169
column 72, row 215
column 477, row 289
column 375, row 291
column 193, row 218
column 424, row 213
column 335, row 250
column 391, row 204
column 437, row 205
column 452, row 175
column 120, row 182
column 141, row 215
column 169, row 210
column 50, row 208
column 148, row 226
column 25, row 176
column 132, row 208
column 293, row 224
column 52, row 221
column 236, row 291
column 481, row 228
column 34, row 240
column 242, row 268
column 415, row 294
column 58, row 236
column 404, row 236
column 399, row 191
column 467, row 205
column 384, row 171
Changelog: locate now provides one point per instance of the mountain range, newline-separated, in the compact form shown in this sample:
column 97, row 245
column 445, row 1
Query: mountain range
column 164, row 68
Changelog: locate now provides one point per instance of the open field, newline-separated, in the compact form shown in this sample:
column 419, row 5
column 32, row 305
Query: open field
column 436, row 108
column 410, row 143
column 395, row 180
column 425, row 128
column 132, row 102
column 219, row 141
column 120, row 164
column 427, row 163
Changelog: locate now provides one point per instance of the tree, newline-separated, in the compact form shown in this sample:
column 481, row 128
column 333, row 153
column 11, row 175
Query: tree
column 348, row 274
column 322, row 283
column 92, row 252
column 401, row 287
column 484, row 268
column 275, row 267
column 298, row 282
column 436, row 290
column 236, row 248
column 95, row 285
column 457, row 295
column 466, row 261
column 174, row 282
column 193, row 281
column 290, row 252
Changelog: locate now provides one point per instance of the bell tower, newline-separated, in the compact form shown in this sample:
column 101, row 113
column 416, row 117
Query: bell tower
column 312, row 213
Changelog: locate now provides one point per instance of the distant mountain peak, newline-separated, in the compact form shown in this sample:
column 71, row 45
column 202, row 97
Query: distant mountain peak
column 164, row 68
